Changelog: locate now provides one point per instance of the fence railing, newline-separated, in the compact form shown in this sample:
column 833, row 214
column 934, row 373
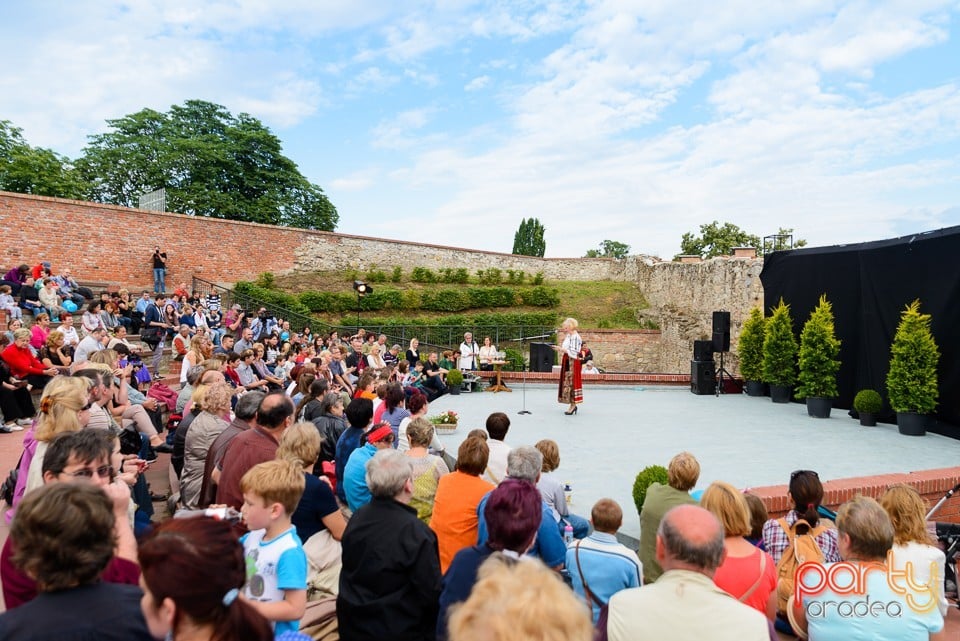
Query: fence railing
column 431, row 337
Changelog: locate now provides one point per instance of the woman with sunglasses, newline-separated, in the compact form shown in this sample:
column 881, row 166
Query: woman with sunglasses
column 806, row 492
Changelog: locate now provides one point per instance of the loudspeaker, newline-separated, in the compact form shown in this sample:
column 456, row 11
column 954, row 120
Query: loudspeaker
column 703, row 350
column 702, row 378
column 541, row 357
column 721, row 331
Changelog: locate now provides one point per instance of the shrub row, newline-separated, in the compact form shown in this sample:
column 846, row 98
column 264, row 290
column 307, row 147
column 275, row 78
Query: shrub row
column 443, row 300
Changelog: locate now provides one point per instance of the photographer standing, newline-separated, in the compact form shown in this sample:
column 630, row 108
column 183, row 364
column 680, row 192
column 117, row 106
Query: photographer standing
column 159, row 270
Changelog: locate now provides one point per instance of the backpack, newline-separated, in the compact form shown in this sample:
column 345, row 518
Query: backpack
column 802, row 548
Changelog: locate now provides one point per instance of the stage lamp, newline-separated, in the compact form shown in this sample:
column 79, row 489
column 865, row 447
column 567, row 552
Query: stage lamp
column 362, row 288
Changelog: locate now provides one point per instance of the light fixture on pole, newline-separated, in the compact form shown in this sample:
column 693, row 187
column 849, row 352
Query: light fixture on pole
column 362, row 290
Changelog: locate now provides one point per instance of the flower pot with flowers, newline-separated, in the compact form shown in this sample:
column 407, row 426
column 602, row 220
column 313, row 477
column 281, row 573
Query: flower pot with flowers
column 445, row 423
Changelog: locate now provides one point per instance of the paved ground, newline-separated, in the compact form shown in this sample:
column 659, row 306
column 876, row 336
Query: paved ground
column 749, row 442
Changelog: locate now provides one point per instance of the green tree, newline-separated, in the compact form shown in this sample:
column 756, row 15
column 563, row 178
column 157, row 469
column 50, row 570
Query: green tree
column 609, row 249
column 33, row 170
column 528, row 241
column 819, row 354
column 776, row 244
column 211, row 163
column 750, row 346
column 716, row 240
column 779, row 348
column 912, row 378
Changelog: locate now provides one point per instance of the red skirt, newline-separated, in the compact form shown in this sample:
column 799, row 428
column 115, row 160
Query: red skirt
column 571, row 383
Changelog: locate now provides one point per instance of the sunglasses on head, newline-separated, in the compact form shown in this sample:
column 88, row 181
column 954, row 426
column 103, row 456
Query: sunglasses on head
column 797, row 473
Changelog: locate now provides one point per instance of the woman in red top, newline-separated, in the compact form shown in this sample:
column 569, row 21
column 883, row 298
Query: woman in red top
column 747, row 572
column 23, row 364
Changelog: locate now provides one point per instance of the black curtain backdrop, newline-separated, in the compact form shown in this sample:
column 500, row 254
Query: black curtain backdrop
column 869, row 285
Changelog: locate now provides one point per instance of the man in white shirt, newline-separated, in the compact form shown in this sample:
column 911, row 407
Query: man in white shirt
column 498, row 424
column 70, row 336
column 92, row 342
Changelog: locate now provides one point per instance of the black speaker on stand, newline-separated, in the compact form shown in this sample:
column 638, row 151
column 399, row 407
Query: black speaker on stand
column 541, row 357
column 721, row 332
column 703, row 351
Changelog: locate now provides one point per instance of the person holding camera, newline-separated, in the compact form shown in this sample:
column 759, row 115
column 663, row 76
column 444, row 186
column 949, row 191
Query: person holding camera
column 159, row 270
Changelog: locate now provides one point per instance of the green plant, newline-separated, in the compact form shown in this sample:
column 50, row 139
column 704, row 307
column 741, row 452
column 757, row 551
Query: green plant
column 514, row 360
column 540, row 296
column 265, row 280
column 868, row 401
column 779, row 348
column 537, row 279
column 912, row 378
column 516, row 277
column 454, row 378
column 375, row 275
column 750, row 346
column 819, row 353
column 396, row 275
column 423, row 275
column 446, row 418
column 490, row 276
column 645, row 478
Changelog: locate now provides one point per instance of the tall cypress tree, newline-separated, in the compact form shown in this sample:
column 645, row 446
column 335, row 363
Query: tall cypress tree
column 528, row 241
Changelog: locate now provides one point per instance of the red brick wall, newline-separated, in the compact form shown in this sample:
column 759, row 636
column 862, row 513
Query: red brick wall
column 114, row 244
column 932, row 485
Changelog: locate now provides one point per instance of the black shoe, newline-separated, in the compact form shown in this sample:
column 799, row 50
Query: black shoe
column 151, row 456
column 164, row 448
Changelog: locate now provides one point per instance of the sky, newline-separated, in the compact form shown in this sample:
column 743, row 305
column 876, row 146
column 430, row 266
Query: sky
column 448, row 122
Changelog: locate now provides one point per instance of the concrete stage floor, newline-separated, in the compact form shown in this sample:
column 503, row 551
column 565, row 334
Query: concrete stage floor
column 749, row 442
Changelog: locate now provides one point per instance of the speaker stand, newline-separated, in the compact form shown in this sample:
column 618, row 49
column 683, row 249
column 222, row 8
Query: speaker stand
column 720, row 372
column 524, row 384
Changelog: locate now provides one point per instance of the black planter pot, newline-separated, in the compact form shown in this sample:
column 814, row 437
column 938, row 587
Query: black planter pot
column 819, row 406
column 756, row 388
column 867, row 419
column 780, row 393
column 454, row 389
column 912, row 424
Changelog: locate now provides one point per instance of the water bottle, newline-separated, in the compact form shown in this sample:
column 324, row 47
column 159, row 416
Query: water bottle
column 224, row 513
column 568, row 493
column 568, row 534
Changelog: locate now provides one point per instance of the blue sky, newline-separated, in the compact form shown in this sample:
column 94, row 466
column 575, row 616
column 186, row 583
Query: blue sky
column 450, row 121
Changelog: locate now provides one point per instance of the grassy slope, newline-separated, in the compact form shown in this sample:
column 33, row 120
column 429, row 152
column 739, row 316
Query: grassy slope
column 596, row 304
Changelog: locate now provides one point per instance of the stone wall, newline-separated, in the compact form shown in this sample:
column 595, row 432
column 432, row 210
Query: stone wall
column 104, row 243
column 626, row 351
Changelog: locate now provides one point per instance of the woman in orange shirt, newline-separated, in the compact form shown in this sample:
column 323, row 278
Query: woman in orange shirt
column 459, row 493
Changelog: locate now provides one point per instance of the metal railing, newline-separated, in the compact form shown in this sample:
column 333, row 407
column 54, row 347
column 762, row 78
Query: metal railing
column 431, row 337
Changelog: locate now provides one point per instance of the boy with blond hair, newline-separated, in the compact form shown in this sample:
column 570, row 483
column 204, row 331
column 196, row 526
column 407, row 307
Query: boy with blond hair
column 276, row 563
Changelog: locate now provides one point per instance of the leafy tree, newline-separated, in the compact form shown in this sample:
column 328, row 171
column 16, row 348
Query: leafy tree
column 210, row 162
column 819, row 354
column 33, row 170
column 779, row 348
column 750, row 346
column 609, row 249
column 528, row 241
column 717, row 240
column 912, row 378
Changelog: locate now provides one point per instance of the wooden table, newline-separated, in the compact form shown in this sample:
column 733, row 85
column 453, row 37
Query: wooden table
column 498, row 385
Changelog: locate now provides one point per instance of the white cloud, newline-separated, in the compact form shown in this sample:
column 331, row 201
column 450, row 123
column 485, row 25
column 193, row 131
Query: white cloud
column 478, row 83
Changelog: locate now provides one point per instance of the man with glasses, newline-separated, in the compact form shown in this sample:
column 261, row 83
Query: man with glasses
column 79, row 457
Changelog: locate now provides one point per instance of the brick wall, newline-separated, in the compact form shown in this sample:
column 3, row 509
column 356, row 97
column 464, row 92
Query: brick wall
column 932, row 485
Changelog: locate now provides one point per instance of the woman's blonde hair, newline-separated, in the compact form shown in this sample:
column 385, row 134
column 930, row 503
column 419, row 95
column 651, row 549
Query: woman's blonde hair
column 23, row 332
column 217, row 398
column 572, row 322
column 420, row 432
column 551, row 454
column 54, row 337
column 908, row 513
column 105, row 357
column 520, row 600
column 60, row 405
column 728, row 505
column 300, row 444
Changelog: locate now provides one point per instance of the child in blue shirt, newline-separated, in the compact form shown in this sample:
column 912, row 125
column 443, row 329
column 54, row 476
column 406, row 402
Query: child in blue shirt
column 276, row 563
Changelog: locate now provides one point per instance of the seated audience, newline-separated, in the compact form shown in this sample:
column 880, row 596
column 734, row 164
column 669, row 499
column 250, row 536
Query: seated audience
column 520, row 601
column 600, row 566
column 203, row 431
column 16, row 404
column 390, row 581
column 684, row 603
column 758, row 518
column 40, row 331
column 551, row 489
column 498, row 424
column 682, row 474
column 330, row 424
column 428, row 468
column 193, row 571
column 806, row 493
column 65, row 541
column 359, row 415
column 455, row 519
column 746, row 573
column 513, row 515
column 355, row 487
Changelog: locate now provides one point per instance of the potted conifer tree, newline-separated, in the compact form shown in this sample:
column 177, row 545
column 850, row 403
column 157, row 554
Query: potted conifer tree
column 779, row 354
column 454, row 381
column 750, row 351
column 912, row 378
column 819, row 360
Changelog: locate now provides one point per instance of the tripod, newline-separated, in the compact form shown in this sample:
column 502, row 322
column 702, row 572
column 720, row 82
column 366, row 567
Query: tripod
column 720, row 376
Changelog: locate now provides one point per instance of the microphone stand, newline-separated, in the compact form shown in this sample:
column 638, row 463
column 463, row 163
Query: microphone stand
column 524, row 384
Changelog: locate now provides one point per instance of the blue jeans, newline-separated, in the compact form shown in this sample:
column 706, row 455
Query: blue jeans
column 159, row 280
